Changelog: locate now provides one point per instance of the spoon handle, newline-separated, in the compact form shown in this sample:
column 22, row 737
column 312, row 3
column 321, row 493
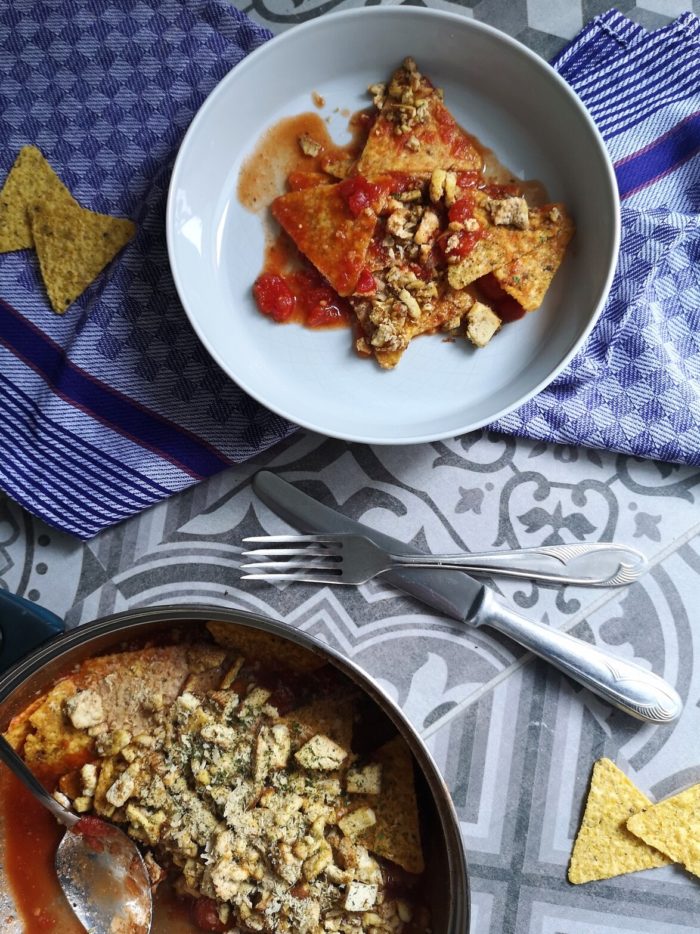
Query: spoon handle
column 16, row 765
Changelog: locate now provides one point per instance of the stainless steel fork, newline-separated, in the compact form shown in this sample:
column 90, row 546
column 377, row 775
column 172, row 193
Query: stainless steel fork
column 346, row 558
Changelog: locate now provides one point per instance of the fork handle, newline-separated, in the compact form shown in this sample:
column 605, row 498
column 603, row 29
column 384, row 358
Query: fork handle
column 596, row 564
column 638, row 692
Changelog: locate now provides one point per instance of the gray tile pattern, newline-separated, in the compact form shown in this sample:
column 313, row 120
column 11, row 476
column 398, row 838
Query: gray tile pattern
column 514, row 739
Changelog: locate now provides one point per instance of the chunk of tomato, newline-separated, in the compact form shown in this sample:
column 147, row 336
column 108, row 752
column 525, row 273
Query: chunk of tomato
column 206, row 916
column 273, row 296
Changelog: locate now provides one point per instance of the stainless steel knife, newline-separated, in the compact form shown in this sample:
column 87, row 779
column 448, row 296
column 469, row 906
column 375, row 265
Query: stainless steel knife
column 638, row 692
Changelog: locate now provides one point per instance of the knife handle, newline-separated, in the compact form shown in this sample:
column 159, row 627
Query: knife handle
column 638, row 692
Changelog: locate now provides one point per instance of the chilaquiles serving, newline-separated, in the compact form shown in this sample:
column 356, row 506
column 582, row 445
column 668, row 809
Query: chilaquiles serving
column 417, row 232
column 265, row 794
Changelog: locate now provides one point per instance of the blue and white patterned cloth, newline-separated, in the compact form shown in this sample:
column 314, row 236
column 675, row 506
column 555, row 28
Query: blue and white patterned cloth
column 635, row 385
column 116, row 405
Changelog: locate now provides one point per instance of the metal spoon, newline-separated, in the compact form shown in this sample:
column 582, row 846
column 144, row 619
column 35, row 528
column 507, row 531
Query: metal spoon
column 99, row 868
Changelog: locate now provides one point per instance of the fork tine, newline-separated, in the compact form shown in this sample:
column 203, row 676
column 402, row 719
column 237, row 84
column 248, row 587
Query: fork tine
column 283, row 552
column 291, row 539
column 317, row 578
column 288, row 565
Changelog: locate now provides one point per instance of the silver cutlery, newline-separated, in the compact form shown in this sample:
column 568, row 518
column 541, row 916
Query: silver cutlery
column 631, row 688
column 346, row 558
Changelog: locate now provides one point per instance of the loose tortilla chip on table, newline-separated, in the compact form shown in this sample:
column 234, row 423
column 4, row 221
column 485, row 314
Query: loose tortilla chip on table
column 325, row 230
column 604, row 846
column 414, row 132
column 673, row 827
column 73, row 246
column 396, row 834
column 30, row 180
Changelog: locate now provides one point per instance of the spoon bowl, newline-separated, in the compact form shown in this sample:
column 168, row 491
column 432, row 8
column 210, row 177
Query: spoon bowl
column 98, row 867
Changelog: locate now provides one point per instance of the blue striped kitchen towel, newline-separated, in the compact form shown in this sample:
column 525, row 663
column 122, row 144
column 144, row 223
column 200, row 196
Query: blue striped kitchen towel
column 116, row 405
column 634, row 387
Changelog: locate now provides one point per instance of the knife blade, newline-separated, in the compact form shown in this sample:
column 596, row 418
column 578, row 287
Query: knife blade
column 453, row 593
column 631, row 688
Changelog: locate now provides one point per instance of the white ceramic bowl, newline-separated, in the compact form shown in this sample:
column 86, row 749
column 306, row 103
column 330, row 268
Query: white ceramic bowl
column 497, row 89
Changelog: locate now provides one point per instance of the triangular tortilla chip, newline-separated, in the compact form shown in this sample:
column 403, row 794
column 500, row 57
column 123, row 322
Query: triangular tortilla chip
column 673, row 827
column 604, row 846
column 528, row 277
column 274, row 652
column 333, row 718
column 504, row 244
column 414, row 132
column 325, row 230
column 443, row 310
column 396, row 835
column 30, row 180
column 73, row 246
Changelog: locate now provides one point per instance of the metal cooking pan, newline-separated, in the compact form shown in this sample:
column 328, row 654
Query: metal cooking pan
column 23, row 624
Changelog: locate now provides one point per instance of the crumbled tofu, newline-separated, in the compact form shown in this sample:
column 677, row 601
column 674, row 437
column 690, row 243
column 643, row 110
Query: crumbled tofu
column 482, row 324
column 365, row 781
column 411, row 304
column 219, row 734
column 360, row 897
column 123, row 788
column 554, row 214
column 450, row 188
column 109, row 744
column 427, row 228
column 272, row 750
column 357, row 821
column 509, row 211
column 84, row 709
column 437, row 185
column 413, row 143
column 321, row 753
column 309, row 146
column 88, row 779
column 82, row 804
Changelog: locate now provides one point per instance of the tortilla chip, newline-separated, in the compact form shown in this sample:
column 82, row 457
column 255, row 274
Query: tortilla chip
column 73, row 246
column 604, row 846
column 431, row 140
column 276, row 654
column 396, row 835
column 53, row 738
column 673, row 827
column 503, row 244
column 323, row 228
column 333, row 718
column 528, row 277
column 31, row 180
column 442, row 310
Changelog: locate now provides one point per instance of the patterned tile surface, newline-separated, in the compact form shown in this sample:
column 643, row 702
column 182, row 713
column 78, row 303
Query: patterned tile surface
column 514, row 739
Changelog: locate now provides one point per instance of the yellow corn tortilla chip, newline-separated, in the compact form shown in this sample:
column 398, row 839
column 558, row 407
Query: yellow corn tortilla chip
column 73, row 246
column 528, row 277
column 503, row 244
column 434, row 140
column 396, row 835
column 333, row 718
column 604, row 846
column 673, row 827
column 53, row 738
column 275, row 653
column 30, row 180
